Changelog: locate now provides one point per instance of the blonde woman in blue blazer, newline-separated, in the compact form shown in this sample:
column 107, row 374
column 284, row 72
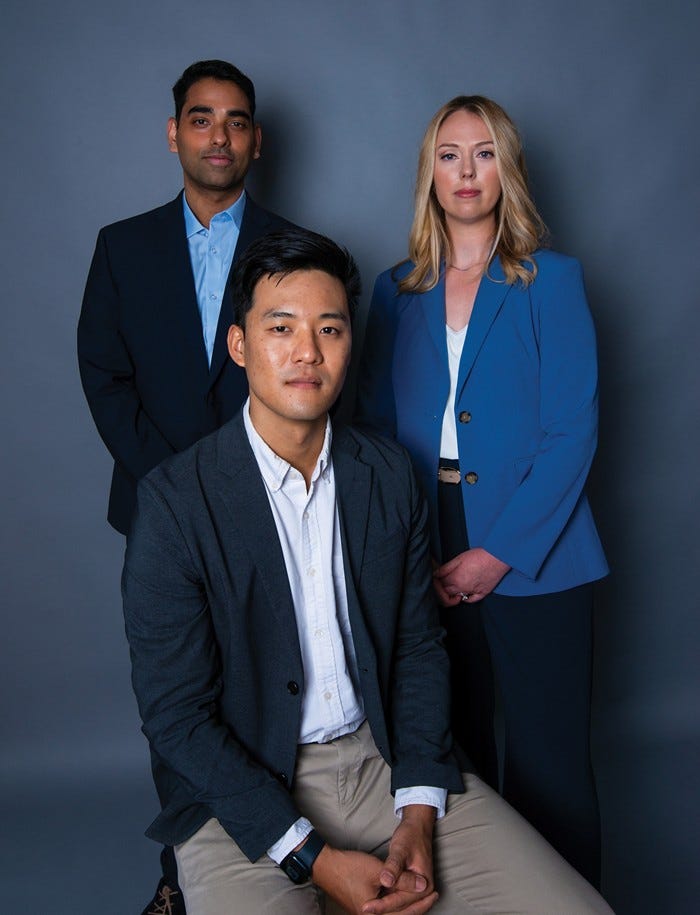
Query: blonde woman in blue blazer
column 480, row 358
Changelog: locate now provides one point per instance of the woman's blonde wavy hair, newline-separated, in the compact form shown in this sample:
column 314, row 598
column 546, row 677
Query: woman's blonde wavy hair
column 520, row 229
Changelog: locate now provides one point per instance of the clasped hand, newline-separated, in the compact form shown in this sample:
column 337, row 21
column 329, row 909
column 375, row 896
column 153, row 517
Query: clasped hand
column 473, row 574
column 365, row 885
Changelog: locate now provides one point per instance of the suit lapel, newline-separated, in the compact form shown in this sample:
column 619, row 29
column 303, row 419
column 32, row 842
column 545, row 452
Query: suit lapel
column 242, row 491
column 253, row 225
column 490, row 296
column 353, row 484
column 178, row 280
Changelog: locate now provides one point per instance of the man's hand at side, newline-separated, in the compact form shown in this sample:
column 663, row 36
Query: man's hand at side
column 364, row 885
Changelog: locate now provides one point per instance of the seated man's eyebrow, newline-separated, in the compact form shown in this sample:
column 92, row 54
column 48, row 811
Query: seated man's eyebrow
column 277, row 313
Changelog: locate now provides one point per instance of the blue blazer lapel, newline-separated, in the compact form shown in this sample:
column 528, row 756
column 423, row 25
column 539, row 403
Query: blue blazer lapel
column 490, row 296
column 432, row 303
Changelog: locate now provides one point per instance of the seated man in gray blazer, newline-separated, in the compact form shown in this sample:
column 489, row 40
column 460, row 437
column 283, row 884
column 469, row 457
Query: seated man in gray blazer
column 287, row 656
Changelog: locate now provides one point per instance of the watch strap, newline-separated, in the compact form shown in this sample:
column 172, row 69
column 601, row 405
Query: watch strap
column 298, row 864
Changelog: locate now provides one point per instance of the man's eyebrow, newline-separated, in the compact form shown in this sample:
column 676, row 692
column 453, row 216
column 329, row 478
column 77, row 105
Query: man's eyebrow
column 231, row 113
column 326, row 316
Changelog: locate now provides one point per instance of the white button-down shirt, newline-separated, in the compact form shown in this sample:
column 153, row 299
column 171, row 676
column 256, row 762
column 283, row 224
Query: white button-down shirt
column 308, row 527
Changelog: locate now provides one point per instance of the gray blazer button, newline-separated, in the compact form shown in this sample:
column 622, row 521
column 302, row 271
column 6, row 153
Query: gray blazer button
column 471, row 477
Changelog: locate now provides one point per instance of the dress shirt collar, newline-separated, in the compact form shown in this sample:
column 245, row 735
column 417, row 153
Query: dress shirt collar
column 234, row 213
column 273, row 468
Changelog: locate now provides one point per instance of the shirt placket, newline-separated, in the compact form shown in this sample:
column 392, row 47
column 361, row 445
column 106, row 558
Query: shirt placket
column 213, row 280
column 316, row 598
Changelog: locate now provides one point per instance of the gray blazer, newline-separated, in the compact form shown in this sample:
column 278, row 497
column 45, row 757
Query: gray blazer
column 217, row 666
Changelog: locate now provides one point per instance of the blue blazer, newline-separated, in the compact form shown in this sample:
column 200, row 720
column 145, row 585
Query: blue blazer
column 526, row 413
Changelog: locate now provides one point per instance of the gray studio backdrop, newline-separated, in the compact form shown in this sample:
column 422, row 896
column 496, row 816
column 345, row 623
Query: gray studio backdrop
column 606, row 95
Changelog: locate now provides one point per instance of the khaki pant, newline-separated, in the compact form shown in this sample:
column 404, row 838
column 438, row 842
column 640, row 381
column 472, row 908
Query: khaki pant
column 487, row 858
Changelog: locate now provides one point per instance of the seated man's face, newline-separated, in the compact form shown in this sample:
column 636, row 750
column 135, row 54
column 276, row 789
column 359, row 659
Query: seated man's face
column 295, row 349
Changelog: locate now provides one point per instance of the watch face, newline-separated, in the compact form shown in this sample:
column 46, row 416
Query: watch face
column 296, row 871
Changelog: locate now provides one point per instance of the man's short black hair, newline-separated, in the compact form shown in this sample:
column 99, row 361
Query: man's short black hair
column 288, row 251
column 212, row 69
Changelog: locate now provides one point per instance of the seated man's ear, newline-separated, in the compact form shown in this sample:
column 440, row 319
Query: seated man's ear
column 236, row 344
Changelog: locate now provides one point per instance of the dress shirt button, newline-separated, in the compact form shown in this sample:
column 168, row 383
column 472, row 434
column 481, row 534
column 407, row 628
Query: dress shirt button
column 312, row 571
column 212, row 250
column 327, row 696
column 283, row 778
column 212, row 296
column 471, row 477
column 293, row 687
column 465, row 416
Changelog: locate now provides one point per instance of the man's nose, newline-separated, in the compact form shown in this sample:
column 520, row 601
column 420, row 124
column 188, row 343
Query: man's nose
column 307, row 348
column 218, row 135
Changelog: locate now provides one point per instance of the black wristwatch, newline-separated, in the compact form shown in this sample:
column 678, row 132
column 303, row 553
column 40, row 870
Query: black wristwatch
column 297, row 865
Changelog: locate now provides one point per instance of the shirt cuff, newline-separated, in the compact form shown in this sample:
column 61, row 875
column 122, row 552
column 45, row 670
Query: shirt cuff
column 296, row 834
column 421, row 794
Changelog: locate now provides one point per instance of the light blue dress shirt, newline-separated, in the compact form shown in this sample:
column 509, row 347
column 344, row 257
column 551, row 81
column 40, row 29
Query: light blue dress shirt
column 211, row 253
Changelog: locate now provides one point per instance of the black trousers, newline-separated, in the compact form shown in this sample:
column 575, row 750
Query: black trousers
column 538, row 650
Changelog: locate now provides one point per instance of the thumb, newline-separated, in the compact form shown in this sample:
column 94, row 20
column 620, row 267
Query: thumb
column 393, row 868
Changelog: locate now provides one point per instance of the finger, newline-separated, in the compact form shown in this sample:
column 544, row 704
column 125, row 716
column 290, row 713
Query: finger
column 406, row 903
column 393, row 868
column 442, row 595
column 406, row 880
column 446, row 567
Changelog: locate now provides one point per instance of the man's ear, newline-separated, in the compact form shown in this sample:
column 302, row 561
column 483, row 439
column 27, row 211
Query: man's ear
column 257, row 131
column 172, row 135
column 236, row 344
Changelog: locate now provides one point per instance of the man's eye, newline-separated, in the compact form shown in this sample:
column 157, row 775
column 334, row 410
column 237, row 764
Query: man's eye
column 200, row 122
column 280, row 328
column 330, row 331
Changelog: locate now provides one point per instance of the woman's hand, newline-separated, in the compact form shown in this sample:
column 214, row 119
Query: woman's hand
column 468, row 577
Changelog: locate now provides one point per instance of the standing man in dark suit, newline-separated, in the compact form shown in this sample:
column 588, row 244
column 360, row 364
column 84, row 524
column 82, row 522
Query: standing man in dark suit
column 287, row 655
column 152, row 330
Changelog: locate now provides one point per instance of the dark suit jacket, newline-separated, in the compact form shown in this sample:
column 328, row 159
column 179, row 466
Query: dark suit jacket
column 143, row 362
column 214, row 645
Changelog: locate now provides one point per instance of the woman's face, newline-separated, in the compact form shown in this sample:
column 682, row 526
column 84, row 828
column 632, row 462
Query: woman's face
column 465, row 176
